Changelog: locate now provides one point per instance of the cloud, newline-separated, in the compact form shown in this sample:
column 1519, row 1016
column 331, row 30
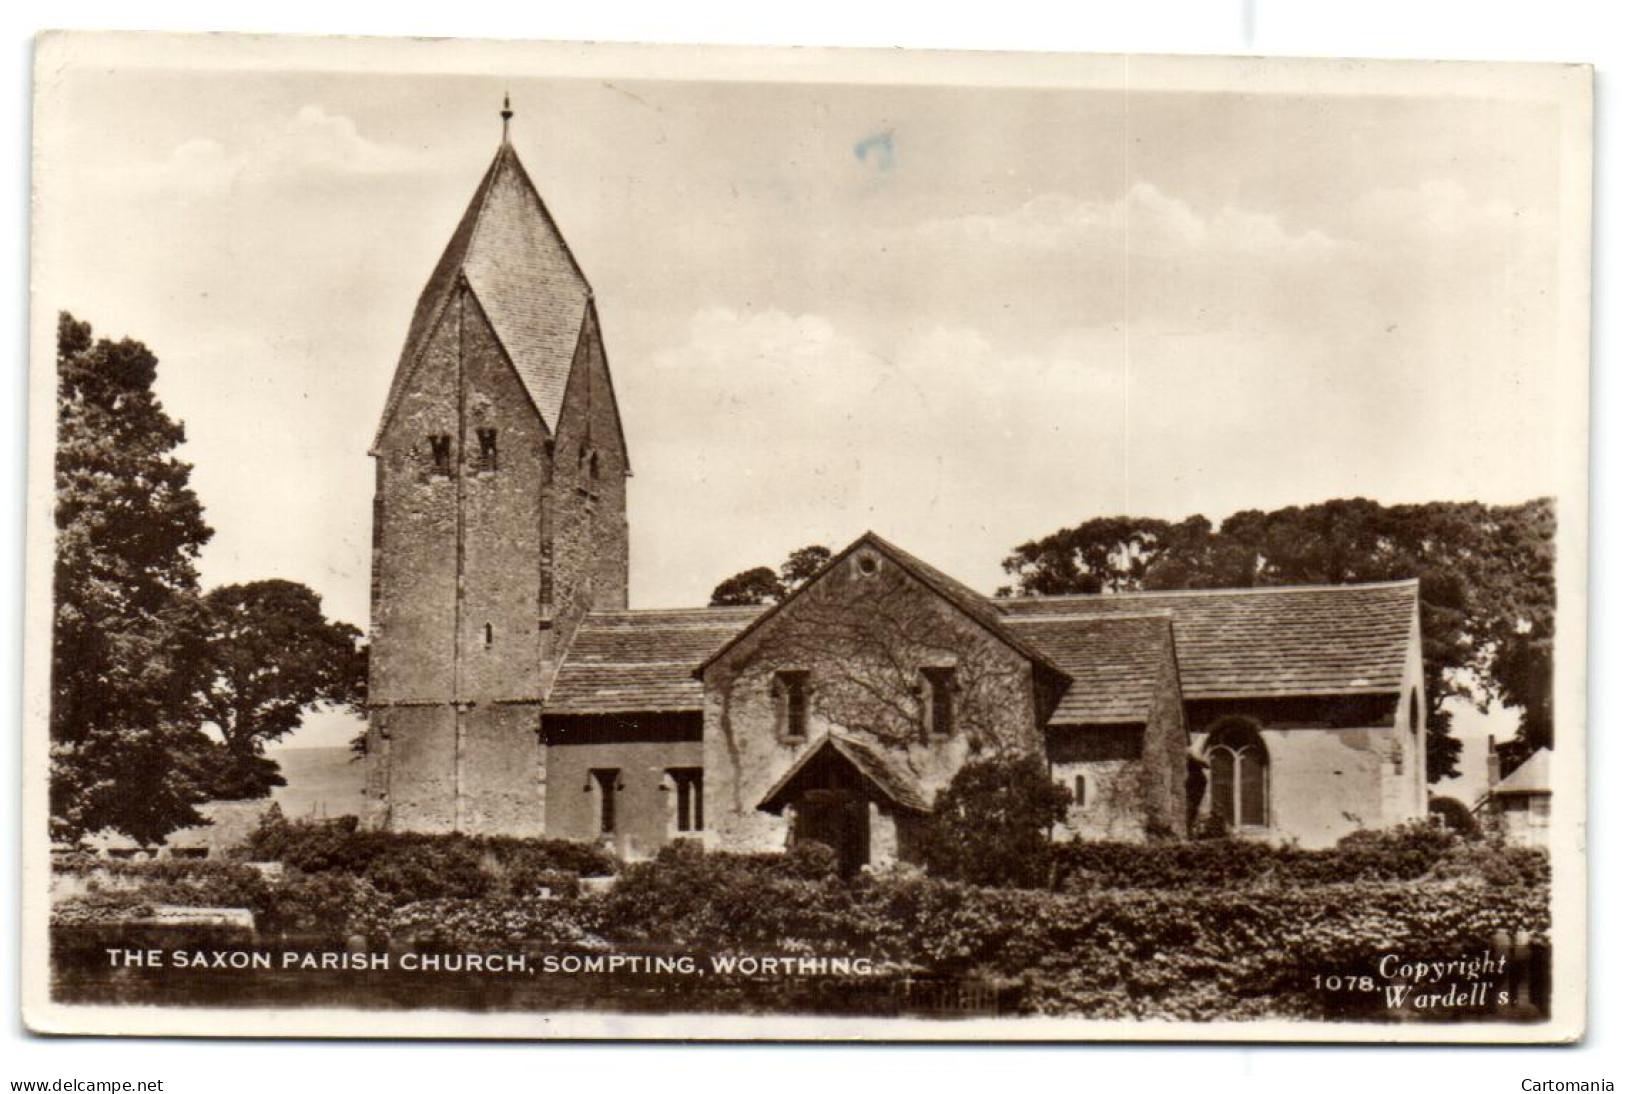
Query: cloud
column 1144, row 221
column 311, row 144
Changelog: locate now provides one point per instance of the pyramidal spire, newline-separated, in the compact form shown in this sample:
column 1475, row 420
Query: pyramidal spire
column 516, row 265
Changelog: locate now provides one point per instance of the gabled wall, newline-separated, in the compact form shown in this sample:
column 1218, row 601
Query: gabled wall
column 586, row 561
column 862, row 639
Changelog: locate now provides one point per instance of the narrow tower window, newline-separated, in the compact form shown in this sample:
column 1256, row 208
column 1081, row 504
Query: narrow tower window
column 490, row 636
column 488, row 449
column 440, row 453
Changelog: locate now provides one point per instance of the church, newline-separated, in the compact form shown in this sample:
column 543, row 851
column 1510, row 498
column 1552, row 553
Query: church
column 513, row 690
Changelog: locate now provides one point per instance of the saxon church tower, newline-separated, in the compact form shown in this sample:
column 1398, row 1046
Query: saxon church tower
column 499, row 517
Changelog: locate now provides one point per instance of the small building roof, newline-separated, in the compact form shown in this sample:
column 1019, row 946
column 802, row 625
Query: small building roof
column 1267, row 641
column 1533, row 776
column 873, row 766
column 628, row 662
column 1114, row 662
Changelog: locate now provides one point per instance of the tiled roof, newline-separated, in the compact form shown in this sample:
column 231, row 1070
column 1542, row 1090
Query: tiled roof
column 630, row 661
column 1113, row 660
column 1271, row 641
column 1533, row 776
column 1230, row 643
column 897, row 786
column 524, row 277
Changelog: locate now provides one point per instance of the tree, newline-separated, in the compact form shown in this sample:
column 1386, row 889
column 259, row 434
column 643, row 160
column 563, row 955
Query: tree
column 755, row 586
column 1486, row 577
column 991, row 824
column 801, row 565
column 127, row 625
column 761, row 585
column 271, row 655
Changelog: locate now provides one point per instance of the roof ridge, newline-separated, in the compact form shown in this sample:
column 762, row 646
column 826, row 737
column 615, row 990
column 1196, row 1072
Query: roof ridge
column 735, row 608
column 1229, row 590
column 1091, row 617
column 686, row 662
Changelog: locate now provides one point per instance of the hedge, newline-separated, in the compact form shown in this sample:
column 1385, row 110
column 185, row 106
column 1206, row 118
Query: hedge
column 1400, row 854
column 1192, row 931
column 413, row 866
column 1177, row 954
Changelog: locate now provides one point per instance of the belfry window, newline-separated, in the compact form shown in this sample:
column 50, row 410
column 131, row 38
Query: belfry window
column 488, row 449
column 440, row 453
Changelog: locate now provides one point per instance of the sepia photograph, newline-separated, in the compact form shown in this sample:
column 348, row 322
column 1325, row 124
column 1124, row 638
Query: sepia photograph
column 544, row 540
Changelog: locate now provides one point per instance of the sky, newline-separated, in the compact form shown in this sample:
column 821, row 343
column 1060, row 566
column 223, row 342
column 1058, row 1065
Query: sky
column 963, row 314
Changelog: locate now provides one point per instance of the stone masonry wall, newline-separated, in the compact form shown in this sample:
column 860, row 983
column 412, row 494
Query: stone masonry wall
column 480, row 576
column 862, row 639
column 587, row 530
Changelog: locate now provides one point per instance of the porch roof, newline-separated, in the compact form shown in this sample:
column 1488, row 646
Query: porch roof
column 895, row 787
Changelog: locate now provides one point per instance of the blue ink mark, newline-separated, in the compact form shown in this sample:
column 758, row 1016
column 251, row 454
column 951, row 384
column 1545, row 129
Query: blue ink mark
column 877, row 150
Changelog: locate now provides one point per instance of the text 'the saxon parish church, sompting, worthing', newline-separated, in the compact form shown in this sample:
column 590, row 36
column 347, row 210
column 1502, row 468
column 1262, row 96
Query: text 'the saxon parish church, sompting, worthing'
column 514, row 692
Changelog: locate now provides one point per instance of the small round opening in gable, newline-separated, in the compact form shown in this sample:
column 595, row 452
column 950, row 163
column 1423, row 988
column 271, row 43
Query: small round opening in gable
column 868, row 565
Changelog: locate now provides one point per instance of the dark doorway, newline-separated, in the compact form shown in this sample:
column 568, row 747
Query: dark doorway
column 839, row 819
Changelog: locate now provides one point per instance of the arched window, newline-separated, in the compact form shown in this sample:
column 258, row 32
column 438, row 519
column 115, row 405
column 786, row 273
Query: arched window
column 1239, row 773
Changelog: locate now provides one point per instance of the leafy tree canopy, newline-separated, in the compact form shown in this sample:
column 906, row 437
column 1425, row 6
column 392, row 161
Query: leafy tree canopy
column 272, row 655
column 128, row 628
column 140, row 660
column 1488, row 591
column 761, row 585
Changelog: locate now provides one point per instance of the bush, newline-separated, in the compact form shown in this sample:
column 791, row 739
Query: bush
column 510, row 922
column 1412, row 851
column 1173, row 946
column 332, row 906
column 407, row 866
column 1455, row 816
column 196, row 882
column 99, row 910
column 991, row 824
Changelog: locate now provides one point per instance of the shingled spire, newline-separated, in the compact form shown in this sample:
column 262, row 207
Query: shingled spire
column 514, row 259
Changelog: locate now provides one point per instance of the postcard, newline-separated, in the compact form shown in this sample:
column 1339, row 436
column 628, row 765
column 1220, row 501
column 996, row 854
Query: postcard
column 539, row 540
